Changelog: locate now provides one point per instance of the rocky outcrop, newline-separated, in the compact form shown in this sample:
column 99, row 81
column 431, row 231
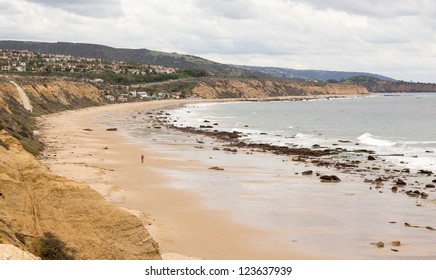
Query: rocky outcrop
column 255, row 88
column 34, row 202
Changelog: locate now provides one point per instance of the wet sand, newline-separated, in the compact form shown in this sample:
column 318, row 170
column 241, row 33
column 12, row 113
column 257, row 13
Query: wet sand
column 258, row 207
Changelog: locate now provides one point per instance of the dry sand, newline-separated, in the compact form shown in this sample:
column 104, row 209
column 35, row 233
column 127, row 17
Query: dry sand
column 82, row 150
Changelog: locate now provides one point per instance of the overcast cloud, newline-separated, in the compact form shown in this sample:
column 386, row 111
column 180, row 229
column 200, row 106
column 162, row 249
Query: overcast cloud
column 396, row 38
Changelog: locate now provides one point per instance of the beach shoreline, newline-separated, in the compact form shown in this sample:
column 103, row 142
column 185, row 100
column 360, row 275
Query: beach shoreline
column 80, row 147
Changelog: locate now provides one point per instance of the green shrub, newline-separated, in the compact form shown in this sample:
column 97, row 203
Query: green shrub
column 32, row 146
column 52, row 248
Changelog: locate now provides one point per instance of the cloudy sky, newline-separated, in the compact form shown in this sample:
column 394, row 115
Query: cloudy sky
column 396, row 38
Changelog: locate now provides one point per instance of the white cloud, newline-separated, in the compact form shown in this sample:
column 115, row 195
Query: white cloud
column 393, row 38
column 89, row 8
column 374, row 8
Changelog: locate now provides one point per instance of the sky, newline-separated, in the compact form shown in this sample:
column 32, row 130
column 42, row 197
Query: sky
column 395, row 38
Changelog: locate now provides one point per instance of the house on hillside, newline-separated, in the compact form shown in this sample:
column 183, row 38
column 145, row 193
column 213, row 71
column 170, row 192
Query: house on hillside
column 123, row 97
column 176, row 95
column 110, row 97
column 97, row 81
column 143, row 95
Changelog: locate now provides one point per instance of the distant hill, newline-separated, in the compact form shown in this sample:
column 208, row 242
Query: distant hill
column 320, row 75
column 131, row 55
column 180, row 61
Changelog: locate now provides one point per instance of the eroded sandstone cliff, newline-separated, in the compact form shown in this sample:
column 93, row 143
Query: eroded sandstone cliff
column 254, row 88
column 46, row 95
column 34, row 202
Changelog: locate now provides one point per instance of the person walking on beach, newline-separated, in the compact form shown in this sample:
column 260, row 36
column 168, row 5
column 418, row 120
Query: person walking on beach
column 142, row 158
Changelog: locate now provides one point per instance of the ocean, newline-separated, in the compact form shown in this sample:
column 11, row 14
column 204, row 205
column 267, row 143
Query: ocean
column 400, row 127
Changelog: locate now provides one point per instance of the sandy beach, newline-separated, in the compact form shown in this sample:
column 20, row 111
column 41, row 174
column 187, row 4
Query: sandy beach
column 181, row 201
column 81, row 149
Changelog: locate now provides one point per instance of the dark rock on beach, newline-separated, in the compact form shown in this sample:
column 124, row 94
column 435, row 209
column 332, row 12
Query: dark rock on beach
column 112, row 129
column 379, row 244
column 430, row 186
column 307, row 173
column 400, row 182
column 379, row 180
column 371, row 158
column 216, row 168
column 425, row 172
column 329, row 179
column 424, row 195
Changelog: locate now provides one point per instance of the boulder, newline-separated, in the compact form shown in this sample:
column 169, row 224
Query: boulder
column 307, row 173
column 329, row 179
column 379, row 180
column 400, row 182
column 425, row 172
column 371, row 157
column 430, row 186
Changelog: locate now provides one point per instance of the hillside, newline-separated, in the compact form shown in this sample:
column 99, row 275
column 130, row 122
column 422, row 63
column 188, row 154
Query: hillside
column 320, row 75
column 184, row 62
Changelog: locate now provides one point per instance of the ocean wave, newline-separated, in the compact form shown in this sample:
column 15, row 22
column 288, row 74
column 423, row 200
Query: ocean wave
column 303, row 136
column 371, row 140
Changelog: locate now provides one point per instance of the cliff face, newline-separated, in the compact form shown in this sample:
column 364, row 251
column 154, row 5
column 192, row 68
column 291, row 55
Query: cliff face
column 376, row 85
column 34, row 202
column 45, row 95
column 253, row 88
column 398, row 86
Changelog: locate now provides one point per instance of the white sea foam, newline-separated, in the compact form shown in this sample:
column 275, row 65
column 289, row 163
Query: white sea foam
column 371, row 140
column 303, row 136
column 417, row 142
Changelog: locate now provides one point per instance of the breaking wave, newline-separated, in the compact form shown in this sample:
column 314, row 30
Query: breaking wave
column 371, row 140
